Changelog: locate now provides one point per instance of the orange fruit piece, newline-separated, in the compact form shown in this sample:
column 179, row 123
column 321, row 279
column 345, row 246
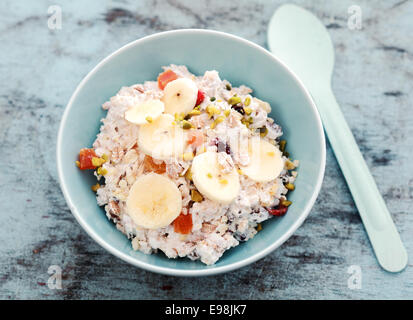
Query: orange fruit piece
column 85, row 159
column 165, row 77
column 183, row 224
column 150, row 166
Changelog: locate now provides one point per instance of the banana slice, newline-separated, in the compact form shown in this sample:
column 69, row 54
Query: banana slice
column 180, row 96
column 145, row 112
column 154, row 201
column 162, row 139
column 211, row 182
column 266, row 162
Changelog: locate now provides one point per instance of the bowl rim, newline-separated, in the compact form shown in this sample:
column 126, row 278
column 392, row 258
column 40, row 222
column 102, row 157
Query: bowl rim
column 206, row 271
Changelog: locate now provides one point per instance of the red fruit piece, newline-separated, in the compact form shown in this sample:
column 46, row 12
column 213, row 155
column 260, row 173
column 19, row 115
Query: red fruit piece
column 165, row 77
column 183, row 224
column 85, row 159
column 201, row 97
column 278, row 211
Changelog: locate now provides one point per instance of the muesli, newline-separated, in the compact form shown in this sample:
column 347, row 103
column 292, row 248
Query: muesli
column 189, row 165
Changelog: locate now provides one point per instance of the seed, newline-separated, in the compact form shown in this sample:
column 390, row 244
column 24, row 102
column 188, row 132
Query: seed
column 95, row 187
column 196, row 196
column 289, row 165
column 227, row 112
column 245, row 122
column 197, row 107
column 194, row 112
column 271, row 153
column 97, row 162
column 188, row 174
column 186, row 125
column 247, row 101
column 101, row 171
column 240, row 171
column 290, row 186
column 149, row 119
column 211, row 110
column 223, row 181
column 179, row 116
column 247, row 110
column 219, row 119
column 188, row 156
column 283, row 143
column 250, row 120
column 209, row 175
column 228, row 86
column 286, row 203
column 77, row 164
column 212, row 99
column 234, row 100
column 219, row 100
column 263, row 132
column 259, row 227
column 105, row 157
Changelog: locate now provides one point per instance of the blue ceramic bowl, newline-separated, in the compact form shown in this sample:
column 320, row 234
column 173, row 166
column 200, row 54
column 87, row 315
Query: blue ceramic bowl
column 240, row 62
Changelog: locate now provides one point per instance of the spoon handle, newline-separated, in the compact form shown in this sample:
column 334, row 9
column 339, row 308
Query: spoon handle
column 377, row 220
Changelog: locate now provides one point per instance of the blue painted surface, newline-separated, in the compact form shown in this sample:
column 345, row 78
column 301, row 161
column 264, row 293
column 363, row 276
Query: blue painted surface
column 39, row 70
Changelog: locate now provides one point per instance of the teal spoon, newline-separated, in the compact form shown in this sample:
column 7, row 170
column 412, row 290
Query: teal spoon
column 299, row 39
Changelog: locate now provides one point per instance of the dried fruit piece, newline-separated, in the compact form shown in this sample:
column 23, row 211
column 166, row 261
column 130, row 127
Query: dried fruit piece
column 150, row 166
column 165, row 77
column 183, row 223
column 195, row 138
column 279, row 211
column 200, row 98
column 239, row 109
column 85, row 159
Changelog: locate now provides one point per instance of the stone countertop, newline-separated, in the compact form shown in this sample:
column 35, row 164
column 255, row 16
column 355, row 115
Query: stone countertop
column 39, row 70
